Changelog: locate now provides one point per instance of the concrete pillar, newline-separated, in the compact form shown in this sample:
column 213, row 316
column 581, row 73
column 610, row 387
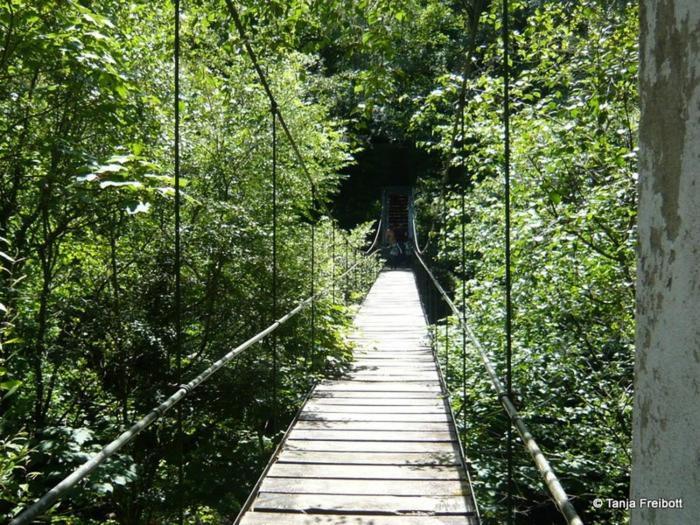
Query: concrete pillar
column 666, row 440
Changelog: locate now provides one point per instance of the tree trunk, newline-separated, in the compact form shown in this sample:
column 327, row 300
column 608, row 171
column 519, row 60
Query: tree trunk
column 666, row 442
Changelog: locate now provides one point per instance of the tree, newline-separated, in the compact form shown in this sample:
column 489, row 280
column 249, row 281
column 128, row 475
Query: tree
column 667, row 368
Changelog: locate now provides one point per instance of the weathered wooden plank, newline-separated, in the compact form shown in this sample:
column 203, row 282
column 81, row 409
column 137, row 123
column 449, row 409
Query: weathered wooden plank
column 383, row 386
column 403, row 344
column 431, row 447
column 376, row 447
column 332, row 394
column 393, row 372
column 302, row 471
column 425, row 356
column 395, row 368
column 368, row 435
column 368, row 487
column 320, row 408
column 362, row 416
column 370, row 378
column 397, row 356
column 388, row 335
column 390, row 426
column 377, row 338
column 353, row 504
column 277, row 518
column 374, row 401
column 384, row 362
column 402, row 350
column 404, row 365
column 373, row 319
column 393, row 364
column 391, row 352
column 381, row 377
column 370, row 458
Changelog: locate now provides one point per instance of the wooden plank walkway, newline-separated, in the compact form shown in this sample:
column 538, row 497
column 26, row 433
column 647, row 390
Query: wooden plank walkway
column 377, row 447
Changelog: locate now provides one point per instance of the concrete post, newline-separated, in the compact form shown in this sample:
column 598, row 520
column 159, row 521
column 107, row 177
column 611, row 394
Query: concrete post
column 666, row 440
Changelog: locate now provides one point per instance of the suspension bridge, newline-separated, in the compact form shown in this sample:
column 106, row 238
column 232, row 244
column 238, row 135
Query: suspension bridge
column 381, row 442
column 381, row 445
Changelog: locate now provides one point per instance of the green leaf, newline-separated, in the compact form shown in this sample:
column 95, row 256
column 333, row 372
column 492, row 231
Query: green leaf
column 11, row 384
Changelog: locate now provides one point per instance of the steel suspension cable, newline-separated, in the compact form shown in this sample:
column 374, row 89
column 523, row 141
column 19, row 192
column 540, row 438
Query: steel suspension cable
column 464, row 316
column 508, row 284
column 313, row 284
column 178, row 264
column 447, row 316
column 273, row 339
column 463, row 218
column 268, row 90
column 347, row 280
column 333, row 259
column 475, row 16
column 354, row 261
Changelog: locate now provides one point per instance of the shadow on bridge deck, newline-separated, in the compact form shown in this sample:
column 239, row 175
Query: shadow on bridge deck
column 377, row 447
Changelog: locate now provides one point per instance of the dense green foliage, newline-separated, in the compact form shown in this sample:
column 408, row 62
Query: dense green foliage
column 86, row 215
column 86, row 232
column 574, row 106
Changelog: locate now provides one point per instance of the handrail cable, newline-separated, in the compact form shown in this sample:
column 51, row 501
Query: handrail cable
column 376, row 237
column 450, row 413
column 550, row 478
column 416, row 246
column 84, row 470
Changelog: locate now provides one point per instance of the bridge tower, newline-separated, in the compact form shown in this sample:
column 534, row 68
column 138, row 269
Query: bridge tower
column 397, row 213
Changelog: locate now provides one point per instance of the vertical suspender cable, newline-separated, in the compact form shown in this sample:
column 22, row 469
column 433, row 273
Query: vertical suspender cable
column 463, row 218
column 347, row 277
column 354, row 262
column 178, row 262
column 333, row 262
column 464, row 317
column 313, row 284
column 509, row 306
column 447, row 314
column 273, row 341
column 447, row 349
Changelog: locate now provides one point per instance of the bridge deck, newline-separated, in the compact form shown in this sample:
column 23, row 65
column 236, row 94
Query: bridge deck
column 379, row 447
